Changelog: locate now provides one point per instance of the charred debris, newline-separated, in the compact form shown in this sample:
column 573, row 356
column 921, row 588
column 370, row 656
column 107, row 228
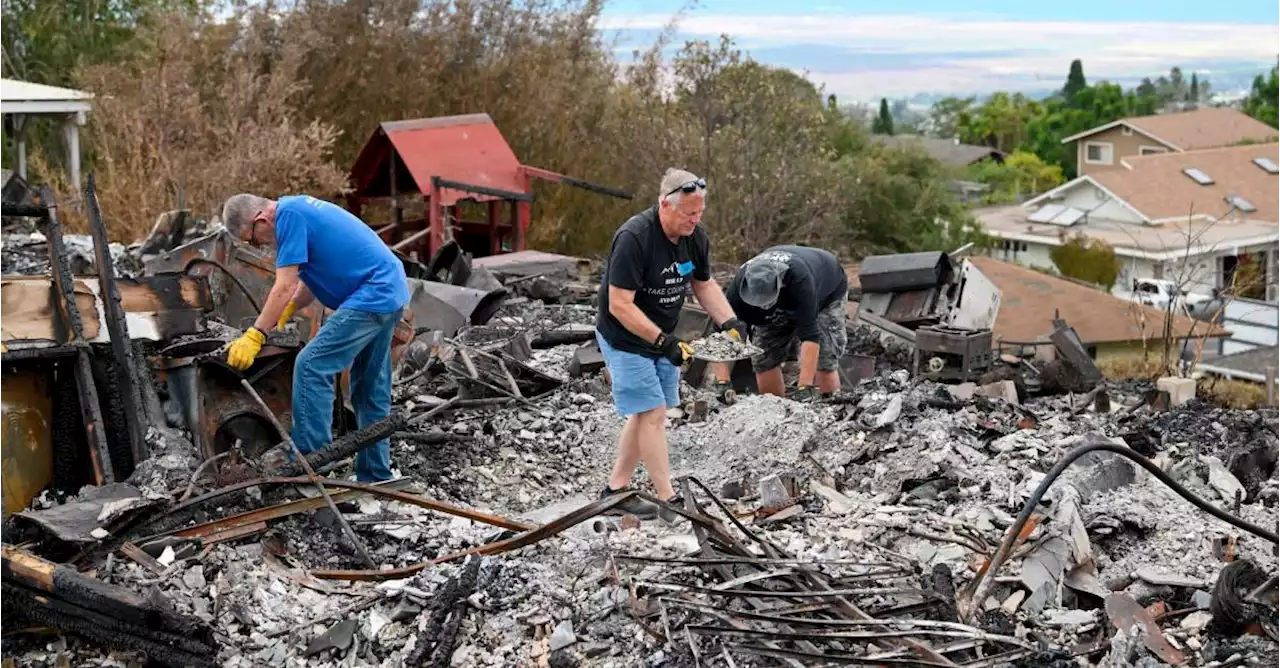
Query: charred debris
column 950, row 507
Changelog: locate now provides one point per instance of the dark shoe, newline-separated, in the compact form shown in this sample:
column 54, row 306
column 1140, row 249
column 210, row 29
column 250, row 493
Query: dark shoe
column 632, row 506
column 666, row 511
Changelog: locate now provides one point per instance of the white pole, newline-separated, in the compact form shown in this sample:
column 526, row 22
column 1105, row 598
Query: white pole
column 73, row 148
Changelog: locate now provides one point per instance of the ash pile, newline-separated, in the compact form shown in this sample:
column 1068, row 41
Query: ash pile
column 963, row 512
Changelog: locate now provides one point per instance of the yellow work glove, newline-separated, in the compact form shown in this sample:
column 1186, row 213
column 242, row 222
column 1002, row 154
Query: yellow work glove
column 245, row 349
column 289, row 310
column 736, row 330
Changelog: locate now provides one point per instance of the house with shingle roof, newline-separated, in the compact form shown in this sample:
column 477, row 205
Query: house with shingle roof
column 1108, row 326
column 1195, row 218
column 949, row 152
column 1104, row 148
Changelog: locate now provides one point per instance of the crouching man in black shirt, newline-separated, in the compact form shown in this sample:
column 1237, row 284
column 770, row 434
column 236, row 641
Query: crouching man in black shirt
column 789, row 295
column 655, row 258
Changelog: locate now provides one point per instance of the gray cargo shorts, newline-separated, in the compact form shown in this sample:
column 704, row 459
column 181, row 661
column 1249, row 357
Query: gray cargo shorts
column 780, row 342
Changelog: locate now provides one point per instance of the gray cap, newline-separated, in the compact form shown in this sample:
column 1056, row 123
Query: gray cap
column 761, row 282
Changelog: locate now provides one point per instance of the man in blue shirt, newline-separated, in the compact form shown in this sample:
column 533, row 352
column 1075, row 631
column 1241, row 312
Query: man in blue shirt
column 323, row 252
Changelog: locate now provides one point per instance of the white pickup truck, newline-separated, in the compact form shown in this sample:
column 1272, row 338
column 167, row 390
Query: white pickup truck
column 1158, row 293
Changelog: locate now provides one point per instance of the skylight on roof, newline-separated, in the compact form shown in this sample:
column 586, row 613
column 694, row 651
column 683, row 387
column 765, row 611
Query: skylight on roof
column 1240, row 203
column 1198, row 176
column 1057, row 214
column 1267, row 164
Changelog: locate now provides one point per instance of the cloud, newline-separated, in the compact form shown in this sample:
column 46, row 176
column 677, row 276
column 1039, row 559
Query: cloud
column 903, row 54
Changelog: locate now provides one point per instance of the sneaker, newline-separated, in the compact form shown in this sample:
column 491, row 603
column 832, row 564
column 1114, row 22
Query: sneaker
column 666, row 511
column 632, row 506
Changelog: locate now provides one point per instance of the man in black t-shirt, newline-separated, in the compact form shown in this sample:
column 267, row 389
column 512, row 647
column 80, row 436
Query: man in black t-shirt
column 793, row 296
column 655, row 259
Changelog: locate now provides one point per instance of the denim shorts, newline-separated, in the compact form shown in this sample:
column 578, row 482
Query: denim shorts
column 780, row 342
column 640, row 383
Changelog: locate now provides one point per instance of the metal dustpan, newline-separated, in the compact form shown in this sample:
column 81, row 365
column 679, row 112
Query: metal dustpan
column 720, row 347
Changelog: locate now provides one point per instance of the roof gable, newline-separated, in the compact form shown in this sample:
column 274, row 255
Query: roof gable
column 467, row 149
column 1084, row 181
column 1200, row 128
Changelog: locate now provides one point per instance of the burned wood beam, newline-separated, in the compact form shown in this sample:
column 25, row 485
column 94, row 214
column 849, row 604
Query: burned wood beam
column 277, row 463
column 62, row 598
column 158, row 307
column 558, row 337
column 447, row 611
column 171, row 649
column 130, row 380
column 65, row 298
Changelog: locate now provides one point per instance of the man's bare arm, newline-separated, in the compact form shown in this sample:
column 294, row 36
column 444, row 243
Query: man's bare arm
column 622, row 305
column 302, row 296
column 712, row 299
column 287, row 282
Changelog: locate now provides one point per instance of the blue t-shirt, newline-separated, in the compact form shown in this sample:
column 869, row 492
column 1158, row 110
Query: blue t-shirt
column 341, row 260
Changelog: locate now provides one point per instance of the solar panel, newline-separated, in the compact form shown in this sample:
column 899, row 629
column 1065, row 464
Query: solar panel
column 1198, row 176
column 1070, row 216
column 1046, row 213
column 1241, row 203
column 1267, row 164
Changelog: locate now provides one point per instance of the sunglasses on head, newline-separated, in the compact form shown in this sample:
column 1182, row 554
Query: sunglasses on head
column 689, row 187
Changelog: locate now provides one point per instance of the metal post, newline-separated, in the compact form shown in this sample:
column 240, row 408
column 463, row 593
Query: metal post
column 495, row 235
column 397, row 214
column 64, row 294
column 1270, row 379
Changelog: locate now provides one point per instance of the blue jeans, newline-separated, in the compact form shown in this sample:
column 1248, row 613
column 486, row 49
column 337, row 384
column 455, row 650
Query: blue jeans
column 640, row 383
column 361, row 341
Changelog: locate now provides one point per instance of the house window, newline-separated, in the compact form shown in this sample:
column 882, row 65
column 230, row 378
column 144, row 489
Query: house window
column 1151, row 150
column 1245, row 275
column 1126, row 130
column 1097, row 152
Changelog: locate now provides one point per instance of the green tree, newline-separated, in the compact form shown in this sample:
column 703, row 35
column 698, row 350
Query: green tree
column 883, row 124
column 1021, row 173
column 1001, row 122
column 1262, row 101
column 1091, row 260
column 949, row 116
column 1075, row 80
column 1147, row 88
column 1092, row 106
column 1193, row 95
column 46, row 41
column 894, row 200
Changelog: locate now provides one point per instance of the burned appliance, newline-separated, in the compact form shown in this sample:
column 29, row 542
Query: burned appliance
column 951, row 354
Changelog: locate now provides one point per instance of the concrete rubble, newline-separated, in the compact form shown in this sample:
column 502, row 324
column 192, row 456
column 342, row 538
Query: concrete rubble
column 855, row 528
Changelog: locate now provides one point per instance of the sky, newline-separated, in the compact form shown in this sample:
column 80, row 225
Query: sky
column 864, row 50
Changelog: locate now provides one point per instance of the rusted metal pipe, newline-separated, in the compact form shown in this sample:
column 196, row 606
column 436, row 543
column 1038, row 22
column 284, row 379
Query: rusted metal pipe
column 315, row 479
column 543, row 532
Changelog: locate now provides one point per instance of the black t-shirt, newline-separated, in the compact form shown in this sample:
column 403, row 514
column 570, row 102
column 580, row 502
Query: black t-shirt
column 814, row 280
column 643, row 259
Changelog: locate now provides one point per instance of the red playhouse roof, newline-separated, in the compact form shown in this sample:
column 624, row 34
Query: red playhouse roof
column 467, row 149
